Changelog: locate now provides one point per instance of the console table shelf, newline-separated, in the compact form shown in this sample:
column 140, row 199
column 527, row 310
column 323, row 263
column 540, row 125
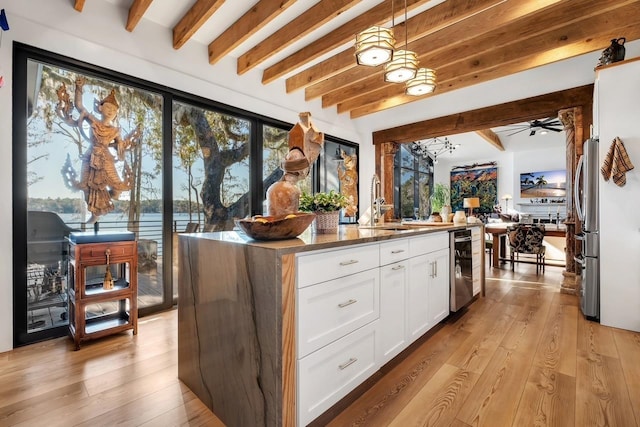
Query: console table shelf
column 96, row 308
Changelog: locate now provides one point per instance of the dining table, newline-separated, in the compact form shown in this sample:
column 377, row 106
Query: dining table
column 498, row 230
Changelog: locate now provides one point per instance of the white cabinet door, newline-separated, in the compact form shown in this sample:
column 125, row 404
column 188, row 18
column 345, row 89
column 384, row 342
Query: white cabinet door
column 438, row 285
column 327, row 375
column 418, row 321
column 393, row 284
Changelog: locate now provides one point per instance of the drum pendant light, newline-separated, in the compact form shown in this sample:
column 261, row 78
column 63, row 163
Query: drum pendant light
column 374, row 46
column 404, row 64
column 423, row 83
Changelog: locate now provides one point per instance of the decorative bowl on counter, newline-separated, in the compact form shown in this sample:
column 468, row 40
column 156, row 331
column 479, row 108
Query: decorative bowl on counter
column 276, row 227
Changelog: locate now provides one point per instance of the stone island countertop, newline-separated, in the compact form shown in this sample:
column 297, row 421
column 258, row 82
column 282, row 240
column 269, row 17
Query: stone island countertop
column 346, row 235
column 237, row 345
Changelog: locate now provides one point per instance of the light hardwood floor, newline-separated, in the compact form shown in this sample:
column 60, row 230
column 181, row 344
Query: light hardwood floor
column 521, row 356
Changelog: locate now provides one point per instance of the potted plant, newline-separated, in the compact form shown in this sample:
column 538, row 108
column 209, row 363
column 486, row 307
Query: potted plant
column 327, row 207
column 441, row 201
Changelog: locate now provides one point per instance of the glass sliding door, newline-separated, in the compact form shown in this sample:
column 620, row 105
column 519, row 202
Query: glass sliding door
column 92, row 157
column 211, row 171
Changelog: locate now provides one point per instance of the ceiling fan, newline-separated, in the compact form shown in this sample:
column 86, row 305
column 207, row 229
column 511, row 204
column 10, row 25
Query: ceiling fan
column 543, row 125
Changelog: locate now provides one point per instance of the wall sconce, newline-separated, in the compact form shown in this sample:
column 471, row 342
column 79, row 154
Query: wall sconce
column 471, row 202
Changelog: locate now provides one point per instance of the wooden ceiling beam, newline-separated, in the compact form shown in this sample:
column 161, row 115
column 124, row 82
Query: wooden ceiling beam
column 579, row 38
column 491, row 137
column 498, row 115
column 191, row 22
column 378, row 15
column 311, row 19
column 449, row 42
column 247, row 25
column 136, row 11
column 495, row 72
column 78, row 5
column 521, row 21
column 427, row 22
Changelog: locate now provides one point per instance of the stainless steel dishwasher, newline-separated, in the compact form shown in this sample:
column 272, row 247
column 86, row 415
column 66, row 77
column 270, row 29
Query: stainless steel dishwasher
column 461, row 269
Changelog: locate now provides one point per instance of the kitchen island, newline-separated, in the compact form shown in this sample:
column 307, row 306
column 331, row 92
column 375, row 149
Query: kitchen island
column 274, row 333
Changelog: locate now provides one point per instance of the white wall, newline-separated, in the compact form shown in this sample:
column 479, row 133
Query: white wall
column 510, row 165
column 97, row 36
column 619, row 110
column 505, row 162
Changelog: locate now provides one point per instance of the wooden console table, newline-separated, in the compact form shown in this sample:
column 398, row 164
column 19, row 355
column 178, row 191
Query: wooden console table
column 96, row 308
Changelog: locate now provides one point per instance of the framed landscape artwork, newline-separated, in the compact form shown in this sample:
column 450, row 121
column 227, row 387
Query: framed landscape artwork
column 543, row 184
column 479, row 182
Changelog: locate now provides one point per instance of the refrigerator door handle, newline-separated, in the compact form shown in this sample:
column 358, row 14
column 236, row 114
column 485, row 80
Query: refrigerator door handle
column 576, row 188
column 579, row 260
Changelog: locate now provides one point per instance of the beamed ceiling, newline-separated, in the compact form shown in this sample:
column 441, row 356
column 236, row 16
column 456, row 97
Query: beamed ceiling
column 466, row 41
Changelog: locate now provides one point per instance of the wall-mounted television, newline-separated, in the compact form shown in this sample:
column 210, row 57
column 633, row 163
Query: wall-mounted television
column 543, row 184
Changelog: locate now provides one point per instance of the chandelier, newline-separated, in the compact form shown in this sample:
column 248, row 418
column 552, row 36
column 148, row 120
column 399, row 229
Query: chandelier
column 376, row 46
column 432, row 148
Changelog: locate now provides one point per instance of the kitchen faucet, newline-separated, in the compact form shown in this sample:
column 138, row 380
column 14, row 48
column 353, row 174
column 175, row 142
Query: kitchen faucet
column 375, row 195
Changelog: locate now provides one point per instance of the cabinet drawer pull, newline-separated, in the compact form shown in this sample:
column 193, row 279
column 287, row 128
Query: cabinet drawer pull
column 347, row 303
column 351, row 261
column 397, row 267
column 397, row 251
column 347, row 363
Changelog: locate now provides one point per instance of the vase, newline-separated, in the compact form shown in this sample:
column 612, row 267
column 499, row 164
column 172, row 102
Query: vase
column 327, row 222
column 460, row 218
column 444, row 213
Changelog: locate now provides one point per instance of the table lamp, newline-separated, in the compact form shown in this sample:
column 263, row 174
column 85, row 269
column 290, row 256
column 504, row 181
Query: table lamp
column 471, row 202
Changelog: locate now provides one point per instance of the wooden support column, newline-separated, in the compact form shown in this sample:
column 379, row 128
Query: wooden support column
column 568, row 118
column 385, row 154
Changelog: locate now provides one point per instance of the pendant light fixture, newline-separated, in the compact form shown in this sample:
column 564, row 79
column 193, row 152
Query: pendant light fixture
column 404, row 64
column 374, row 46
column 423, row 83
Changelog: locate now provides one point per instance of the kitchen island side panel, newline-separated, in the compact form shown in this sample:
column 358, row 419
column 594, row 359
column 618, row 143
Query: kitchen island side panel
column 229, row 329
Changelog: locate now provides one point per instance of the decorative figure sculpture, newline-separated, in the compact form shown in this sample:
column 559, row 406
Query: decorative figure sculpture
column 305, row 136
column 348, row 176
column 283, row 197
column 305, row 144
column 99, row 179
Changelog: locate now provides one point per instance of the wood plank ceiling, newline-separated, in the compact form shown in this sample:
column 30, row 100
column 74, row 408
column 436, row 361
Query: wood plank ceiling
column 466, row 42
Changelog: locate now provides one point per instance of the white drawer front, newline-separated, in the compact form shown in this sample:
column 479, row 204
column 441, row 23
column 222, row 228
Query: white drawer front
column 326, row 376
column 320, row 267
column 421, row 245
column 393, row 251
column 330, row 310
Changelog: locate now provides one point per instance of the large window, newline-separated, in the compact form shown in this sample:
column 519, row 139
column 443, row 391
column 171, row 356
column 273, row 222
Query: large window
column 92, row 159
column 91, row 144
column 414, row 178
column 210, row 167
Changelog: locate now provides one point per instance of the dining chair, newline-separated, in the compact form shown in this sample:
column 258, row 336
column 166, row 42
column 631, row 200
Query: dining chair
column 488, row 246
column 527, row 239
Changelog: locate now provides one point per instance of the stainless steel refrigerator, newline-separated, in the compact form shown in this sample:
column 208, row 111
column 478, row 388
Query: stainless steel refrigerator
column 586, row 202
